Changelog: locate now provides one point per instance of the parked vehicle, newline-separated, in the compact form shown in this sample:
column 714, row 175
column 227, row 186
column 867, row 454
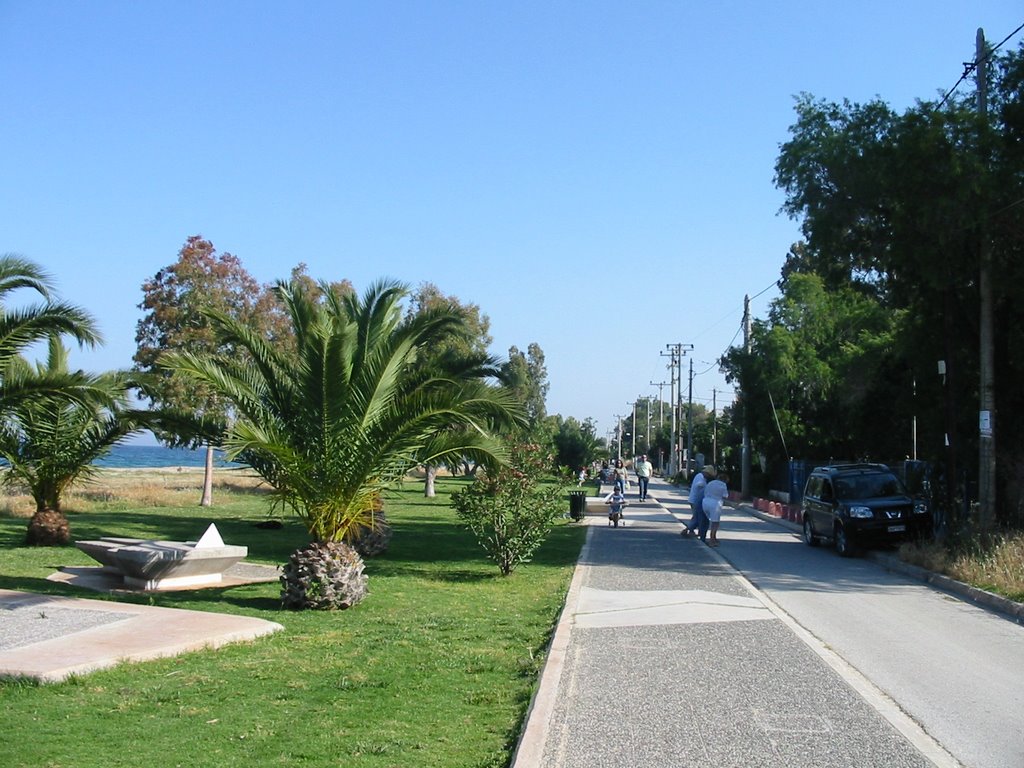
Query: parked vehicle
column 860, row 505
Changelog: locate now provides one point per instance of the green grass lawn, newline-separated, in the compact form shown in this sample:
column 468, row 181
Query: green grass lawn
column 435, row 668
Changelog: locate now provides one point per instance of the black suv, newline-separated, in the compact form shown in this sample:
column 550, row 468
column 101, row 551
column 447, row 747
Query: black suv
column 860, row 504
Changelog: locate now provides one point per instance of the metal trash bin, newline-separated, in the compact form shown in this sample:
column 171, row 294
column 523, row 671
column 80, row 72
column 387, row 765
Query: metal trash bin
column 577, row 504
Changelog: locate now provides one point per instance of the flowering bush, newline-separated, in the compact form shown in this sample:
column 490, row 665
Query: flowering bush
column 510, row 510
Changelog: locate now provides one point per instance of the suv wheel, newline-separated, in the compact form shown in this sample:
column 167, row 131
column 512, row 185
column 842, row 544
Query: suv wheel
column 844, row 546
column 809, row 538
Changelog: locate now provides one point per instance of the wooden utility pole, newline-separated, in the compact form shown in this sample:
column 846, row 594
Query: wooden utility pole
column 714, row 427
column 689, row 419
column 745, row 457
column 661, row 422
column 632, row 430
column 647, row 443
column 673, row 353
column 987, row 405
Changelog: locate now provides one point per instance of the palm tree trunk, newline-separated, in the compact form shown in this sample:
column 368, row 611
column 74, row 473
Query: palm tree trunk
column 428, row 486
column 207, row 500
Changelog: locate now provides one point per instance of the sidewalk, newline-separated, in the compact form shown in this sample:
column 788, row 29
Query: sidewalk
column 665, row 656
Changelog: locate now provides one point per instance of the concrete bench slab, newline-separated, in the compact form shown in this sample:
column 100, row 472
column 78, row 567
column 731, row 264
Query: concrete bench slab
column 156, row 565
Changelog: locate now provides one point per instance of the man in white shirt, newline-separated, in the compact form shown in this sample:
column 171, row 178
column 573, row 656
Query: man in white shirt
column 643, row 470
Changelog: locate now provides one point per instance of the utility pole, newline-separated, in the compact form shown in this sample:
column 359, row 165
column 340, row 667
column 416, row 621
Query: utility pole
column 632, row 431
column 987, row 405
column 913, row 421
column 618, row 444
column 661, row 421
column 745, row 456
column 673, row 353
column 647, row 445
column 689, row 420
column 676, row 352
column 714, row 427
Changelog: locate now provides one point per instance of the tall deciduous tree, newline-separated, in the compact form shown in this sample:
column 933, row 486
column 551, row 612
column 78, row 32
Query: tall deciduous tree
column 176, row 301
column 470, row 339
column 576, row 444
column 897, row 207
column 526, row 376
column 811, row 380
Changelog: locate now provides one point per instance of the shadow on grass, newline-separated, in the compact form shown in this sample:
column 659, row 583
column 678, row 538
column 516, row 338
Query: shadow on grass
column 384, row 569
column 428, row 543
column 41, row 586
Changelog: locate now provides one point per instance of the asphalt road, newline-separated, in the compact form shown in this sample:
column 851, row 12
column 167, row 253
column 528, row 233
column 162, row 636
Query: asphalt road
column 956, row 669
column 664, row 657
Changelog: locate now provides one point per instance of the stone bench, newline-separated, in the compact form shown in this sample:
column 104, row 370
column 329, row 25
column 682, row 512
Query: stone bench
column 155, row 565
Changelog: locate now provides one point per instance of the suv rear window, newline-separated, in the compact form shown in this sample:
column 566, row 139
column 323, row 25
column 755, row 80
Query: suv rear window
column 869, row 486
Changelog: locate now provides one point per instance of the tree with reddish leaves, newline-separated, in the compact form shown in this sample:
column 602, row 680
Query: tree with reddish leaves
column 175, row 301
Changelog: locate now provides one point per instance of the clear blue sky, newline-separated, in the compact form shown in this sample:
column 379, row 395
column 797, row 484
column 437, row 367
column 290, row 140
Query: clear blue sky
column 596, row 176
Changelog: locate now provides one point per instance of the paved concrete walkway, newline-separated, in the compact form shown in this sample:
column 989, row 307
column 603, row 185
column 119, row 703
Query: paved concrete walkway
column 49, row 637
column 665, row 656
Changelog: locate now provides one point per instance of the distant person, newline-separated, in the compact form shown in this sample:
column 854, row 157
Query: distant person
column 620, row 476
column 581, row 476
column 714, row 496
column 643, row 470
column 697, row 486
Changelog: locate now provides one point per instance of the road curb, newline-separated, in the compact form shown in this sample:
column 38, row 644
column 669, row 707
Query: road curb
column 530, row 748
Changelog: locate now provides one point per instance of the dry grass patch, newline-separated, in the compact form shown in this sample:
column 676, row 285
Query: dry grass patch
column 151, row 487
column 994, row 563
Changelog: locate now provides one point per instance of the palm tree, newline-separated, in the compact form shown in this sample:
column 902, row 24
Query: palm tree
column 334, row 421
column 23, row 327
column 50, row 441
column 20, row 328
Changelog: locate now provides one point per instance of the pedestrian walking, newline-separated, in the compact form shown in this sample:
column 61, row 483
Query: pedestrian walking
column 643, row 470
column 698, row 523
column 714, row 496
column 620, row 475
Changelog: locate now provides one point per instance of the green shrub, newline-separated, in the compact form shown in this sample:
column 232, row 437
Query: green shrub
column 511, row 509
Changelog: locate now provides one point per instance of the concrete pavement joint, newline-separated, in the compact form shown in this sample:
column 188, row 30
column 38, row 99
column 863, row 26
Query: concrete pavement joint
column 606, row 608
column 872, row 694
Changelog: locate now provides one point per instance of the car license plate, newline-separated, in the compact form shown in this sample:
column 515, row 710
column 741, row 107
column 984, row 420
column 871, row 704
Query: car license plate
column 897, row 528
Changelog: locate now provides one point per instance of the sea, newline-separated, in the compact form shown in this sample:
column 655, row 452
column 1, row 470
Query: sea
column 155, row 456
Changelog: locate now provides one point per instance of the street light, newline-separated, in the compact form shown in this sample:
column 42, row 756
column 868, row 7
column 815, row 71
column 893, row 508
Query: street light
column 632, row 428
column 618, row 445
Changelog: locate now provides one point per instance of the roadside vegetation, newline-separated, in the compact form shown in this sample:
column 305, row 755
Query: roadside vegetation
column 435, row 668
column 994, row 563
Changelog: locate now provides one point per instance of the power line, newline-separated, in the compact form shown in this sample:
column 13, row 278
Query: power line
column 765, row 290
column 970, row 66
